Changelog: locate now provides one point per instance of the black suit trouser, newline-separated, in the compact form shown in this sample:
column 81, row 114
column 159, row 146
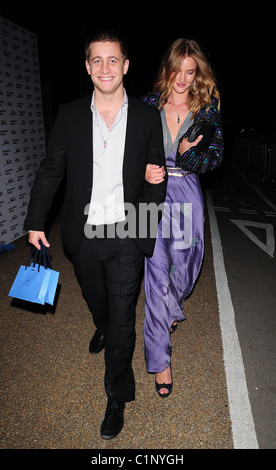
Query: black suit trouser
column 109, row 271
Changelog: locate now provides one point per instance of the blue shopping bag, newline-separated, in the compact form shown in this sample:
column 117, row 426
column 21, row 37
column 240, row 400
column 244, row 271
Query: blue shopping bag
column 53, row 276
column 52, row 286
column 28, row 283
column 44, row 287
column 36, row 283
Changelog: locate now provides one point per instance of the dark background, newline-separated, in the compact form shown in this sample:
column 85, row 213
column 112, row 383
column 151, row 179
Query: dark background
column 239, row 42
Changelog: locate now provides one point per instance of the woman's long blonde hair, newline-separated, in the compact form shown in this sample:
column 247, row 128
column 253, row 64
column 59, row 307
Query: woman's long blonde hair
column 204, row 86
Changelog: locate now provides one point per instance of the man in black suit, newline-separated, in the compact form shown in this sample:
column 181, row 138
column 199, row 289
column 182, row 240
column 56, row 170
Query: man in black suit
column 103, row 143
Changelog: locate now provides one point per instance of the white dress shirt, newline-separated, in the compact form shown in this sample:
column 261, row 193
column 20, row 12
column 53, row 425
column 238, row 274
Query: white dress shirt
column 107, row 198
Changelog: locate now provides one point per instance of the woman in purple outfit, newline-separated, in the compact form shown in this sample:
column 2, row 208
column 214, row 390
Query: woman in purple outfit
column 185, row 92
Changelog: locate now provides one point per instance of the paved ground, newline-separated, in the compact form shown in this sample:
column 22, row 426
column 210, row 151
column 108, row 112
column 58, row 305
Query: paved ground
column 52, row 394
column 244, row 208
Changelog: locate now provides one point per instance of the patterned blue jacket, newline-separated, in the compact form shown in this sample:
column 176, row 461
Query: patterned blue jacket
column 193, row 160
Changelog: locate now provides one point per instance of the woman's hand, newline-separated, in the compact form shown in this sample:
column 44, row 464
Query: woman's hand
column 185, row 145
column 154, row 174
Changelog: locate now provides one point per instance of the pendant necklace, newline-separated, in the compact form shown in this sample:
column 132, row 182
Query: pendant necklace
column 178, row 115
column 104, row 140
column 109, row 124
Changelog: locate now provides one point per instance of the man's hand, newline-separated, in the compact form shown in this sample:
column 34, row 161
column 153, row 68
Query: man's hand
column 34, row 238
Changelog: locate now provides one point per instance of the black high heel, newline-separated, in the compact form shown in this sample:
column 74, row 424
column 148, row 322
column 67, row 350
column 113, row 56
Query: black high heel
column 173, row 328
column 169, row 387
column 158, row 387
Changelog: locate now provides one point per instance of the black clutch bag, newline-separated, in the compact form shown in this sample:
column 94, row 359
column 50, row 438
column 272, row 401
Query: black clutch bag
column 200, row 128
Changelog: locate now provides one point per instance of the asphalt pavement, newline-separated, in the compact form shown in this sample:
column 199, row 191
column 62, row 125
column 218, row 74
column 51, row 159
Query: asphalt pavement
column 52, row 392
column 243, row 205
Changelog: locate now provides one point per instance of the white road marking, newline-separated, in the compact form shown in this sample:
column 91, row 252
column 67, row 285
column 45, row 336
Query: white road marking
column 269, row 246
column 222, row 209
column 243, row 428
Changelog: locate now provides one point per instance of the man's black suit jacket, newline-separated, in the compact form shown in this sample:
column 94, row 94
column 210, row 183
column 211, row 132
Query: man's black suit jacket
column 70, row 150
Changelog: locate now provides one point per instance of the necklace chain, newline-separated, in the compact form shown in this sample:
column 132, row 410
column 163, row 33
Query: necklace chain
column 178, row 114
column 109, row 122
column 104, row 140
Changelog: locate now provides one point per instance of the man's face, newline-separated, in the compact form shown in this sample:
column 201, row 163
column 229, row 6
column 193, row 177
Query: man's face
column 106, row 66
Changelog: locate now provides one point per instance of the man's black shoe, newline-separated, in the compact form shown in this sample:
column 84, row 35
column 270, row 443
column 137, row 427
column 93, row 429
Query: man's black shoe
column 113, row 422
column 97, row 343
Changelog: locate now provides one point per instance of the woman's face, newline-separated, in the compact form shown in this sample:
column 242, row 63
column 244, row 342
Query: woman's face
column 186, row 75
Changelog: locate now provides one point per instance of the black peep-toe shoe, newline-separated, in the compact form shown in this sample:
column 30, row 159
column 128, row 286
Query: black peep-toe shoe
column 168, row 387
column 173, row 328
